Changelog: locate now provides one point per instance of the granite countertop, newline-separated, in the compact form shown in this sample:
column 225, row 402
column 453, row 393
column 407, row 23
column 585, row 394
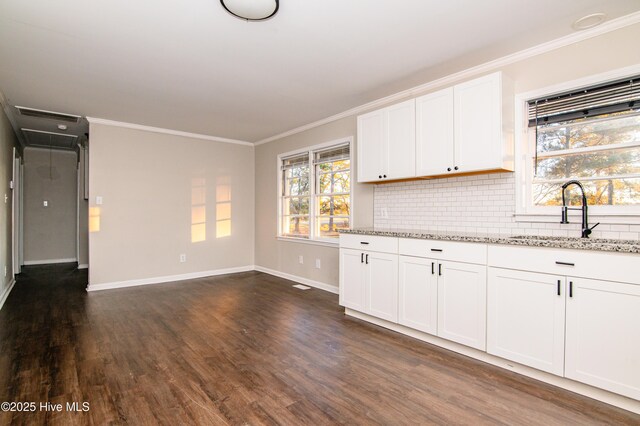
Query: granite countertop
column 620, row 246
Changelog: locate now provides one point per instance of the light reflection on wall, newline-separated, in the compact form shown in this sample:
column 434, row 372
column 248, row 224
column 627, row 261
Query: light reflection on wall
column 223, row 207
column 198, row 210
column 94, row 219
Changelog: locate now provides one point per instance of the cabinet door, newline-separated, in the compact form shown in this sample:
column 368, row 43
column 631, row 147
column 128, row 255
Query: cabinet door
column 418, row 296
column 462, row 303
column 434, row 133
column 603, row 335
column 382, row 285
column 525, row 318
column 401, row 140
column 478, row 124
column 371, row 146
column 352, row 280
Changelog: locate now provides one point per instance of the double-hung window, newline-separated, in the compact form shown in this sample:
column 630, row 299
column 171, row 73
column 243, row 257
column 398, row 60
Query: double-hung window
column 315, row 192
column 591, row 135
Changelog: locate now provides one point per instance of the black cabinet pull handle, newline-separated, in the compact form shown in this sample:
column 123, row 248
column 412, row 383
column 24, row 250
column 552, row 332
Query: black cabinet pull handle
column 361, row 257
column 433, row 264
column 565, row 263
column 448, row 169
column 558, row 287
column 438, row 250
column 456, row 167
column 570, row 288
column 364, row 242
column 440, row 269
column 366, row 259
column 384, row 176
column 379, row 176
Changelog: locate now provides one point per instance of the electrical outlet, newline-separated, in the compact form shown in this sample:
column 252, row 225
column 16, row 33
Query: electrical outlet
column 300, row 259
column 317, row 263
column 183, row 258
column 45, row 203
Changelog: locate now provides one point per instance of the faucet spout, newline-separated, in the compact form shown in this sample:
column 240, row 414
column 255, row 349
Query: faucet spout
column 586, row 231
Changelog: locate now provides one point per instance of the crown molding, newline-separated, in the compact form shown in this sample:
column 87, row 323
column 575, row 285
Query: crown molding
column 540, row 49
column 93, row 120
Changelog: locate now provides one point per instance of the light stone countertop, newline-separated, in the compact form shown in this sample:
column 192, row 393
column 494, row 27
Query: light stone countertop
column 619, row 246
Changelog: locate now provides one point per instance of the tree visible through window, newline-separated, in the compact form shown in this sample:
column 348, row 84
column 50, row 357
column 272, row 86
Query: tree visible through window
column 316, row 192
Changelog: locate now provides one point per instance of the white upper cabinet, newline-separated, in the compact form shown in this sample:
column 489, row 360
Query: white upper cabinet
column 434, row 133
column 465, row 128
column 386, row 143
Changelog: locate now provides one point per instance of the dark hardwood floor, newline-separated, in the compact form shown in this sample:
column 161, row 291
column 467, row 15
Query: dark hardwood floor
column 245, row 349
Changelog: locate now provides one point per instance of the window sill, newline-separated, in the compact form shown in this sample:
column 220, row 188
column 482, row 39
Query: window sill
column 311, row 242
column 608, row 219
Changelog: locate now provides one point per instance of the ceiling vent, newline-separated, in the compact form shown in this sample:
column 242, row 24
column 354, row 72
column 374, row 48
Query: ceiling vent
column 39, row 113
column 40, row 139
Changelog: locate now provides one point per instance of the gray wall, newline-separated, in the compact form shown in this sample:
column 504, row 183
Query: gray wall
column 159, row 191
column 49, row 232
column 7, row 142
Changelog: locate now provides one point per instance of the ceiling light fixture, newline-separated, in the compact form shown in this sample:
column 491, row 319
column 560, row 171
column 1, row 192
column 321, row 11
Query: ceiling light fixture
column 251, row 10
column 589, row 21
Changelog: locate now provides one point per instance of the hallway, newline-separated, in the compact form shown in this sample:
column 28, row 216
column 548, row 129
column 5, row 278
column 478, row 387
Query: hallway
column 244, row 348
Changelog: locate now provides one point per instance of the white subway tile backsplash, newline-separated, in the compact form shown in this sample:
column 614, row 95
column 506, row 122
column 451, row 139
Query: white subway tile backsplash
column 472, row 204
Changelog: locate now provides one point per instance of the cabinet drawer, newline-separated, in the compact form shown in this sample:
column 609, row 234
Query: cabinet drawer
column 444, row 250
column 622, row 267
column 369, row 243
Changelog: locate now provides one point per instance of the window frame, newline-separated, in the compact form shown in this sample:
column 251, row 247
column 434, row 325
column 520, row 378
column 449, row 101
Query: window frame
column 313, row 195
column 525, row 151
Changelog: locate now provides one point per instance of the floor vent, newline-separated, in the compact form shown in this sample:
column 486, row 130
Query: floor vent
column 301, row 287
column 40, row 113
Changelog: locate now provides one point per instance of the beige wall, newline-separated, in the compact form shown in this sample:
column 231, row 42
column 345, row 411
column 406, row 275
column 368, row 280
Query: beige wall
column 83, row 219
column 281, row 255
column 7, row 142
column 593, row 56
column 49, row 232
column 154, row 188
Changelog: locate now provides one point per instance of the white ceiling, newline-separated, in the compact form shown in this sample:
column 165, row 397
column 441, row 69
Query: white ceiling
column 191, row 66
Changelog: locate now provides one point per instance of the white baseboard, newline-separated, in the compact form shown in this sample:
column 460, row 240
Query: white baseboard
column 83, row 266
column 306, row 281
column 49, row 261
column 568, row 384
column 5, row 293
column 168, row 278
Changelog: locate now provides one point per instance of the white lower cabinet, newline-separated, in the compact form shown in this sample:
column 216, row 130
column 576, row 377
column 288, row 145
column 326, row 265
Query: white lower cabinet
column 525, row 321
column 418, row 294
column 462, row 303
column 369, row 283
column 603, row 335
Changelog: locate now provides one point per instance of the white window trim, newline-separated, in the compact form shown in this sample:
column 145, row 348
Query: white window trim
column 525, row 211
column 332, row 242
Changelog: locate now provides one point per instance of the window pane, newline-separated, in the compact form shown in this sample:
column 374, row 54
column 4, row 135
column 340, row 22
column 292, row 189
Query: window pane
column 295, row 226
column 334, row 182
column 328, row 226
column 335, row 205
column 591, row 164
column 296, row 181
column 618, row 192
column 614, row 129
column 341, row 165
column 295, row 205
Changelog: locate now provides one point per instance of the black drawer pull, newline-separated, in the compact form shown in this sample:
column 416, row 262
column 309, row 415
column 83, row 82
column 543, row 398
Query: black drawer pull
column 438, row 250
column 364, row 242
column 558, row 287
column 565, row 263
column 570, row 288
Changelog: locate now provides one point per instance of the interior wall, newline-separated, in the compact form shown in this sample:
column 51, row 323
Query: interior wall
column 163, row 196
column 596, row 55
column 83, row 216
column 7, row 142
column 282, row 256
column 49, row 232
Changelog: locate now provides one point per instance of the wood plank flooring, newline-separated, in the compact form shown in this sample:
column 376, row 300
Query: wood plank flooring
column 245, row 349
